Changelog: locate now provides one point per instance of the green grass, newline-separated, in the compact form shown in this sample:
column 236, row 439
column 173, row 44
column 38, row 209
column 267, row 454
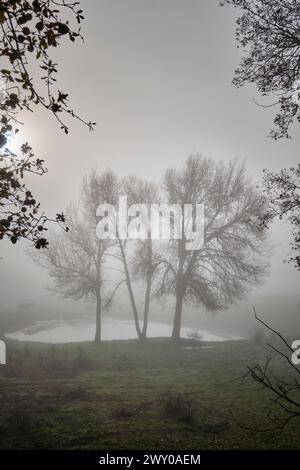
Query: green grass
column 111, row 396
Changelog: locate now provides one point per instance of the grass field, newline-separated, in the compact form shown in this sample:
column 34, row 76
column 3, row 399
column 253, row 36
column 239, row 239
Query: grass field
column 131, row 395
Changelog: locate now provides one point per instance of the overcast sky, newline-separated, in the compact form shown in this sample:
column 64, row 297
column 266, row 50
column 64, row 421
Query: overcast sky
column 156, row 77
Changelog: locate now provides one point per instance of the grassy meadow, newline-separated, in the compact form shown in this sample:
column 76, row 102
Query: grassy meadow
column 133, row 395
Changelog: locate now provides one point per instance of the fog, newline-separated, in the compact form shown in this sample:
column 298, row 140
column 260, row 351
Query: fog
column 156, row 77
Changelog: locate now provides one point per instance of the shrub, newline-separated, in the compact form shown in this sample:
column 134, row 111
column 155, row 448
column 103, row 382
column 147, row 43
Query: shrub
column 195, row 335
column 124, row 411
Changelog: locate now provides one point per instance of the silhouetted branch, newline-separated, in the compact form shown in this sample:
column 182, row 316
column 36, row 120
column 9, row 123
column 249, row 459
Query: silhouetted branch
column 284, row 393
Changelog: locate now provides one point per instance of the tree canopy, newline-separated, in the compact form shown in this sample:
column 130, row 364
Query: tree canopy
column 281, row 195
column 268, row 31
column 29, row 31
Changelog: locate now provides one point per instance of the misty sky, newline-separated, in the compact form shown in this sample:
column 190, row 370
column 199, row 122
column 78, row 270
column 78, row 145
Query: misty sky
column 156, row 77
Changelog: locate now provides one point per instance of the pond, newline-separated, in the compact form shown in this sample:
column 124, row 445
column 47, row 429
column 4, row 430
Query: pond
column 112, row 329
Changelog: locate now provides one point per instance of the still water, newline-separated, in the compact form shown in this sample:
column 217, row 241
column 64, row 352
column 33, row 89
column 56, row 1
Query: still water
column 112, row 329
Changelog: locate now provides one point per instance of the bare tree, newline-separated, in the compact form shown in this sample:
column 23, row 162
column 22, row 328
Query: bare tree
column 134, row 260
column 232, row 257
column 145, row 267
column 75, row 259
column 144, row 261
column 281, row 193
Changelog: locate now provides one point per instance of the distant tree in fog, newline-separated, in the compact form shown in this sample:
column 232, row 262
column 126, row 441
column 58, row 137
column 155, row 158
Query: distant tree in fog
column 268, row 31
column 29, row 30
column 84, row 266
column 233, row 255
column 131, row 261
column 231, row 260
column 143, row 260
column 75, row 259
column 99, row 189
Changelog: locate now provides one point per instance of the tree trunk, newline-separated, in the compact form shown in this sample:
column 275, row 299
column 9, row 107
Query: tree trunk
column 130, row 291
column 180, row 291
column 98, row 295
column 98, row 319
column 148, row 290
column 177, row 315
column 147, row 306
